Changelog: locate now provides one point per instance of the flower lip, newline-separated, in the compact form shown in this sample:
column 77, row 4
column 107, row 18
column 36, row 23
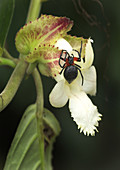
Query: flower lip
column 84, row 113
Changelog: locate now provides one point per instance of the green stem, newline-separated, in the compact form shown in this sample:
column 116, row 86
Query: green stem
column 5, row 61
column 34, row 10
column 12, row 86
column 33, row 13
column 39, row 115
column 7, row 55
column 31, row 67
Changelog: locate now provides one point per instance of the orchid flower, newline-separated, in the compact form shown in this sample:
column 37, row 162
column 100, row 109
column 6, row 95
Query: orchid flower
column 83, row 112
column 42, row 41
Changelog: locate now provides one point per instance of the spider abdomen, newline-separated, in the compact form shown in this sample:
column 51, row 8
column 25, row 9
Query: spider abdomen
column 70, row 73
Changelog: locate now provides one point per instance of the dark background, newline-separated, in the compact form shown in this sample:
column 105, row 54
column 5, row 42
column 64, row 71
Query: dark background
column 72, row 150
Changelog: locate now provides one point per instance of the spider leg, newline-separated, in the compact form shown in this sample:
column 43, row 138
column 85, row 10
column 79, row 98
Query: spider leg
column 62, row 69
column 64, row 59
column 61, row 54
column 79, row 58
column 79, row 53
column 81, row 76
column 61, row 58
column 66, row 53
column 60, row 63
column 80, row 49
column 78, row 67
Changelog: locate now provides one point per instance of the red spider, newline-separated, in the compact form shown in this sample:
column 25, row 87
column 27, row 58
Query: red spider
column 69, row 67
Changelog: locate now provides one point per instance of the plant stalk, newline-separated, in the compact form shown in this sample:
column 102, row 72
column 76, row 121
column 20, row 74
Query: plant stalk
column 39, row 115
column 34, row 10
column 7, row 55
column 8, row 62
column 12, row 86
column 33, row 13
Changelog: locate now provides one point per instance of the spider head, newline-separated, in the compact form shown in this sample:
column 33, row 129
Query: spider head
column 71, row 60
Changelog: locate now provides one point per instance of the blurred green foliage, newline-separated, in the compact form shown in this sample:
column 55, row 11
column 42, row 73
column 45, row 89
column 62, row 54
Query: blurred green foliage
column 6, row 13
column 72, row 150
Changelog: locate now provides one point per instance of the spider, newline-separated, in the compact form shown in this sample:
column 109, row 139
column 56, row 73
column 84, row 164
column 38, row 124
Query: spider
column 70, row 68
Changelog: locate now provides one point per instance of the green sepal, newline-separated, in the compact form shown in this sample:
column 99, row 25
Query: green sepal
column 75, row 42
column 87, row 54
column 48, row 59
column 45, row 30
column 24, row 151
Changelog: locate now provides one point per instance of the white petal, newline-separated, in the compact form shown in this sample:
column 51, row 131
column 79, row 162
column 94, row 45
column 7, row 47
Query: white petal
column 89, row 56
column 59, row 77
column 84, row 113
column 76, row 85
column 89, row 85
column 58, row 97
column 63, row 45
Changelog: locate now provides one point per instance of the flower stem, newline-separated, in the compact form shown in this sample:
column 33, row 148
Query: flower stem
column 7, row 55
column 34, row 10
column 39, row 115
column 31, row 67
column 12, row 86
column 33, row 13
column 5, row 61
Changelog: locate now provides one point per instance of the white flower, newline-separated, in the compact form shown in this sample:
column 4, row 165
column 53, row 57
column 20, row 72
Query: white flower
column 83, row 112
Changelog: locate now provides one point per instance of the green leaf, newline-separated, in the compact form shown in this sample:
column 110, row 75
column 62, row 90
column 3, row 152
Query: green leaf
column 6, row 13
column 52, row 129
column 45, row 30
column 24, row 151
